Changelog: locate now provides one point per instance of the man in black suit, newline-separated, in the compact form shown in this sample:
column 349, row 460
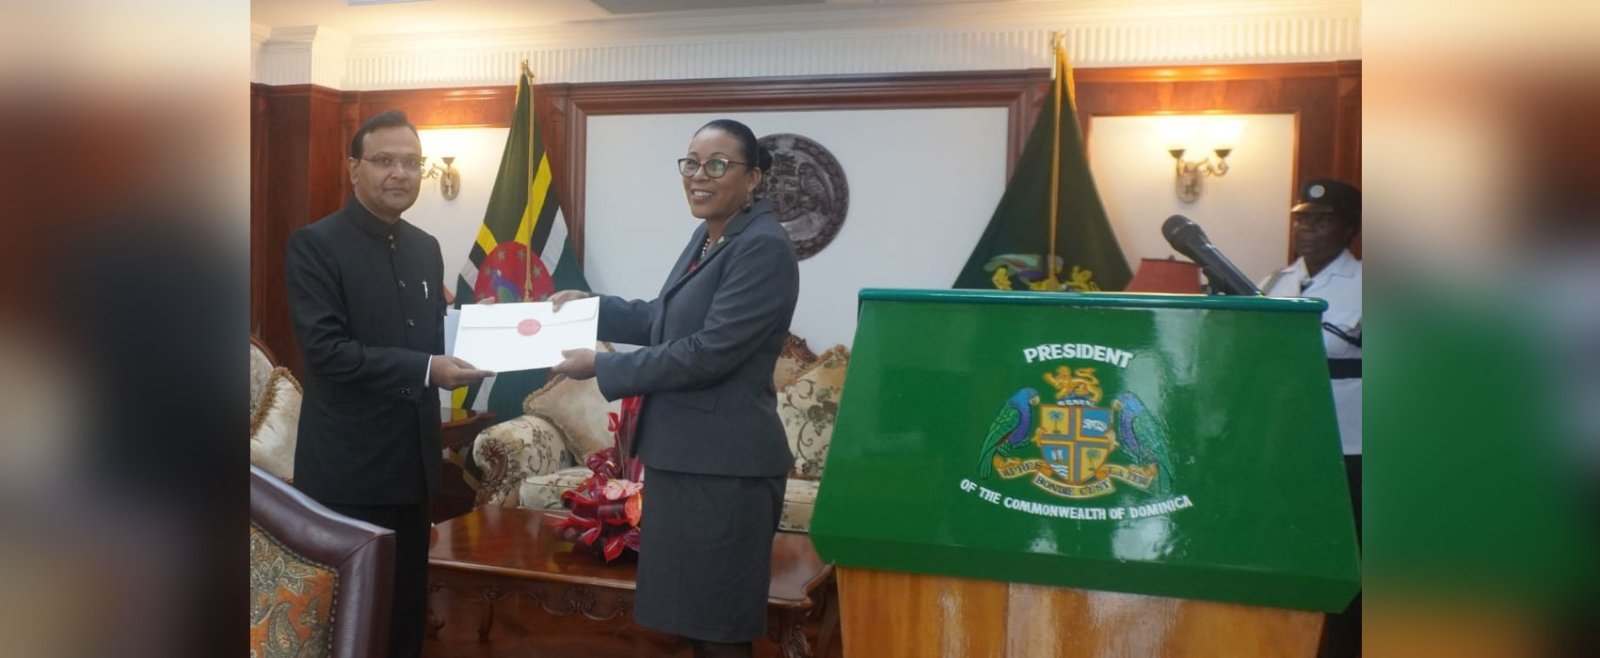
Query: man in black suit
column 365, row 296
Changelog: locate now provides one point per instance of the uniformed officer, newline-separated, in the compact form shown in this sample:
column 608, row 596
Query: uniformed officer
column 1326, row 220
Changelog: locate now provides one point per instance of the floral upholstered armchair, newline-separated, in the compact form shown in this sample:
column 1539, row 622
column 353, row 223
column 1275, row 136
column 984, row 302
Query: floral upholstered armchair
column 528, row 461
column 274, row 412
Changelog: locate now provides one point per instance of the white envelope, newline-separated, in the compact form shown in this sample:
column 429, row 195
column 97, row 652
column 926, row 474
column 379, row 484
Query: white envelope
column 527, row 336
column 452, row 321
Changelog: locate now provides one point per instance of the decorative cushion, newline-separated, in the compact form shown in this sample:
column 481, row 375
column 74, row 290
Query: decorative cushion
column 510, row 451
column 578, row 409
column 291, row 601
column 275, row 425
column 260, row 371
column 808, row 406
column 544, row 491
column 799, row 499
column 793, row 360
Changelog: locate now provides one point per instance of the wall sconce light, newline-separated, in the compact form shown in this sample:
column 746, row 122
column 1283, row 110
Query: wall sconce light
column 449, row 177
column 1191, row 174
column 1184, row 136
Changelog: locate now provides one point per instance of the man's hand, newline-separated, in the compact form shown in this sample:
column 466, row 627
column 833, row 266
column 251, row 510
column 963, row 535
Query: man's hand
column 450, row 372
column 579, row 364
column 563, row 297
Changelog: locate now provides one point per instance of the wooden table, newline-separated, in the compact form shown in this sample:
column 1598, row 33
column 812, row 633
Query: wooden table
column 457, row 429
column 492, row 552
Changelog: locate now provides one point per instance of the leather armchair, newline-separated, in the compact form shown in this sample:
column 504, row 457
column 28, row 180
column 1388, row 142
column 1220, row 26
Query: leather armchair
column 362, row 555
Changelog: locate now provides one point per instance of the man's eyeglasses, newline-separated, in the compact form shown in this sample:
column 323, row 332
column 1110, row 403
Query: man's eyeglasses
column 412, row 165
column 1315, row 221
column 714, row 167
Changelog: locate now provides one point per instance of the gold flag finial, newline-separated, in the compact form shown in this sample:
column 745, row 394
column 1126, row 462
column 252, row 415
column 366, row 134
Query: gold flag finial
column 1056, row 40
column 1065, row 63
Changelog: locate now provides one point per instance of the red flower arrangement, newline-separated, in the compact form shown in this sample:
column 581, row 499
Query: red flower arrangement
column 606, row 508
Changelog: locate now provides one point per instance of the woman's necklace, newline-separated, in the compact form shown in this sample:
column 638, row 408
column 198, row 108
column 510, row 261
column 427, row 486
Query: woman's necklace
column 706, row 247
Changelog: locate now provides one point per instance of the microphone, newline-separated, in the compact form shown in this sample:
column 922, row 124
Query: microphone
column 1186, row 237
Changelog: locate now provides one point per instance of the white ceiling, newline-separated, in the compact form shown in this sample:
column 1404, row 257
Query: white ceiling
column 431, row 16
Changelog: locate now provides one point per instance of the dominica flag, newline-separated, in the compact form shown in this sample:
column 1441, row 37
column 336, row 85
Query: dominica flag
column 521, row 254
column 1050, row 231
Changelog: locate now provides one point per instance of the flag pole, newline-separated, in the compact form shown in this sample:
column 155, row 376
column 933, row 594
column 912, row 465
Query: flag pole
column 1057, row 81
column 527, row 262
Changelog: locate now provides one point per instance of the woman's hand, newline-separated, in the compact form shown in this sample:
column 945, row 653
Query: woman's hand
column 563, row 297
column 579, row 364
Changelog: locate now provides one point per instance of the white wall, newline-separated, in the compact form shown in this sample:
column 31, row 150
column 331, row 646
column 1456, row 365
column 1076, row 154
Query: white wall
column 923, row 184
column 455, row 222
column 1246, row 212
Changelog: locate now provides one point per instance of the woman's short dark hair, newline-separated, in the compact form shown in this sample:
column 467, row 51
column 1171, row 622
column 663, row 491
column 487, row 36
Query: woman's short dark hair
column 390, row 119
column 750, row 147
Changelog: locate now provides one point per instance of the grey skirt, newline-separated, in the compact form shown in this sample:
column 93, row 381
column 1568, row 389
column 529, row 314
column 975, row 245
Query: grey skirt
column 705, row 554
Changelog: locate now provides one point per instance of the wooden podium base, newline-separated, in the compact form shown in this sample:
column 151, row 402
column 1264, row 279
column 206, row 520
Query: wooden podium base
column 887, row 613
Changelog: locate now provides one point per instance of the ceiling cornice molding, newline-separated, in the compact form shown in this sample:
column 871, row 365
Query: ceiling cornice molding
column 970, row 16
column 307, row 36
column 817, row 40
column 864, row 20
column 304, row 54
column 258, row 35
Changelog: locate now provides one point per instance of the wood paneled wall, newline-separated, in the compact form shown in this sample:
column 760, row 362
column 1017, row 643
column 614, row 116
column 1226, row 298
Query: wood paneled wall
column 299, row 150
column 300, row 133
column 1325, row 99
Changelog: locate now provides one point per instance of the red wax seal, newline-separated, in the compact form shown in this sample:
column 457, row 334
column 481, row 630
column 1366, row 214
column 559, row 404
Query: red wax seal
column 528, row 327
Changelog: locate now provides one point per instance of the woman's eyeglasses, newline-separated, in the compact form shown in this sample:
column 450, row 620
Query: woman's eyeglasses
column 714, row 167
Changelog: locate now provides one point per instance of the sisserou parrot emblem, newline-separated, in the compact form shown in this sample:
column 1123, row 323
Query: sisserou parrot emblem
column 1010, row 430
column 1143, row 437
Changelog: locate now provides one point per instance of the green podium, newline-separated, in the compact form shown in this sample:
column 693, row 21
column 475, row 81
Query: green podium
column 1020, row 473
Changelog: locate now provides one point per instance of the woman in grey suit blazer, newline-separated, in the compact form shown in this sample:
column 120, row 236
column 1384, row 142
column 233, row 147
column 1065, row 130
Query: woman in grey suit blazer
column 714, row 450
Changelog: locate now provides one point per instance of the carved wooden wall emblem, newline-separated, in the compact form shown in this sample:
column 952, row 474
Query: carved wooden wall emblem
column 808, row 188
